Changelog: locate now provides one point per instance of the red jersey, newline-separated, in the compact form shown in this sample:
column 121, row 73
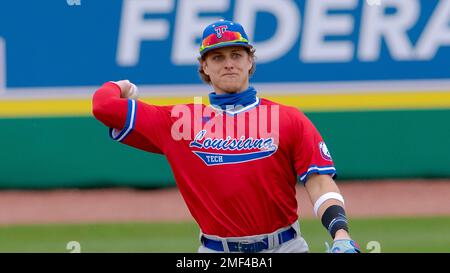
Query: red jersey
column 236, row 170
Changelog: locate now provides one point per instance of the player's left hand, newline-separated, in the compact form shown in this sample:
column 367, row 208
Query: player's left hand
column 343, row 246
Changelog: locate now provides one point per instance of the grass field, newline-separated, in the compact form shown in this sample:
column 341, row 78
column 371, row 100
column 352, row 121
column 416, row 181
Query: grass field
column 393, row 235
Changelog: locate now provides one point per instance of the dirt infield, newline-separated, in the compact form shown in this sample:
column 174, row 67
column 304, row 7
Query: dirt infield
column 363, row 199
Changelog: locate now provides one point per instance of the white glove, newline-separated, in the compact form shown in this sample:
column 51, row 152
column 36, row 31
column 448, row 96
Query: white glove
column 133, row 92
column 127, row 89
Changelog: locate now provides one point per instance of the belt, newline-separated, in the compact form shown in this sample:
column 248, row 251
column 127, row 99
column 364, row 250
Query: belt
column 249, row 246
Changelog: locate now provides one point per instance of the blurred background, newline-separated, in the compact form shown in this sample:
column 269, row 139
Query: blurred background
column 373, row 76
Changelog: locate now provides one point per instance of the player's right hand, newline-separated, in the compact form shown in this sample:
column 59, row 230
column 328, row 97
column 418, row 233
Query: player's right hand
column 127, row 89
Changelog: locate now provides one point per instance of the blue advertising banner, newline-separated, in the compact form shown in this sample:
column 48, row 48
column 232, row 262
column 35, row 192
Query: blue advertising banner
column 72, row 43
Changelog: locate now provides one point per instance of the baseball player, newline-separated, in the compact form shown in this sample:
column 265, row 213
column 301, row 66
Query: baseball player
column 236, row 161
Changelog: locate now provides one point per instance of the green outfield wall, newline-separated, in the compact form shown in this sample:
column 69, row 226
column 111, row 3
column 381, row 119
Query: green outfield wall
column 77, row 152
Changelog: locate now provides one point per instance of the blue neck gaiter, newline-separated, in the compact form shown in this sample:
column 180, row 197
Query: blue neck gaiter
column 230, row 101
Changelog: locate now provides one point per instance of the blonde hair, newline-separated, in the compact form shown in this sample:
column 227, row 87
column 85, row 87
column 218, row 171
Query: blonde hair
column 205, row 78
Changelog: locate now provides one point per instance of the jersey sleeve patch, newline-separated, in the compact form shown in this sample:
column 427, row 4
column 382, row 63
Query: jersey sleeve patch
column 331, row 170
column 324, row 152
column 120, row 135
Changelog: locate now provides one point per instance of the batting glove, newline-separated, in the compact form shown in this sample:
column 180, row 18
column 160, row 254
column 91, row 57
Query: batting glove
column 343, row 246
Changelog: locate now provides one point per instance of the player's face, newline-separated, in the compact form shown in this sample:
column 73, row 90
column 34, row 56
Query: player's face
column 228, row 69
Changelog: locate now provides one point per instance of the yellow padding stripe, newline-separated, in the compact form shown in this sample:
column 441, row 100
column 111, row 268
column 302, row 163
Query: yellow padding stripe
column 317, row 102
column 367, row 101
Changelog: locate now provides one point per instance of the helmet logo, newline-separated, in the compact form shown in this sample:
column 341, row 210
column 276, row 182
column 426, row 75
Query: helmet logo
column 220, row 30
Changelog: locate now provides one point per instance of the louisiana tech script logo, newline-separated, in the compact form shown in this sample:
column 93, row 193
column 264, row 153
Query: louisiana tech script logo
column 219, row 151
column 324, row 151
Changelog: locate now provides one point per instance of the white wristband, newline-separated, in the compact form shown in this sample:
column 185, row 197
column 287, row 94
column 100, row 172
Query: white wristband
column 325, row 197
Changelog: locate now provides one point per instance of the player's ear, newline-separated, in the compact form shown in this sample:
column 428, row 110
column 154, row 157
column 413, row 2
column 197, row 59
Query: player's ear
column 250, row 62
column 205, row 67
